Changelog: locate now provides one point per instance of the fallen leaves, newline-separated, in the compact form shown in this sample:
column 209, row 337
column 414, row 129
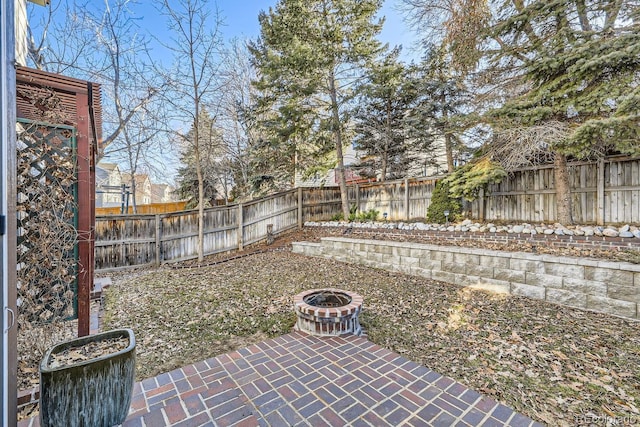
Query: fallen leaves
column 549, row 362
column 92, row 350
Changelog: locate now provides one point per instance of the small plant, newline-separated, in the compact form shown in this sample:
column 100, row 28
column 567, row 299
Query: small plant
column 442, row 201
column 352, row 214
column 370, row 215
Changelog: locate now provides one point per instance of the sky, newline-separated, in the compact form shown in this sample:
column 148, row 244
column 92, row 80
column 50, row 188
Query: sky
column 240, row 19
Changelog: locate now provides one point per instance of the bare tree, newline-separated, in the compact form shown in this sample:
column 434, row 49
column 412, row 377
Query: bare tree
column 102, row 42
column 530, row 146
column 239, row 132
column 141, row 146
column 196, row 45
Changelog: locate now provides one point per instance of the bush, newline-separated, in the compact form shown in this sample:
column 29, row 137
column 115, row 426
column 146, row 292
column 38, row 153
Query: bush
column 370, row 215
column 441, row 201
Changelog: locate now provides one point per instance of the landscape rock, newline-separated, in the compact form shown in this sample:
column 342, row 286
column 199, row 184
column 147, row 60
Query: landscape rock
column 467, row 226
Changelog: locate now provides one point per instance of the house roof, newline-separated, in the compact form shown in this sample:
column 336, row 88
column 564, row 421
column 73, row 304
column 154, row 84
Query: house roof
column 159, row 188
column 107, row 166
column 103, row 170
column 140, row 178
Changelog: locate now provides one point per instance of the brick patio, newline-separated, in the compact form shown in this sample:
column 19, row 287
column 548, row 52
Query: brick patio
column 301, row 380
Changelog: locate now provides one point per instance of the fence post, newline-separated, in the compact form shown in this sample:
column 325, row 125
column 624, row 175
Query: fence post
column 356, row 188
column 158, row 240
column 600, row 192
column 481, row 205
column 300, row 212
column 240, row 227
column 407, row 208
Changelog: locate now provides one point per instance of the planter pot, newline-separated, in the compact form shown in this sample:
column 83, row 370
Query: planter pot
column 92, row 393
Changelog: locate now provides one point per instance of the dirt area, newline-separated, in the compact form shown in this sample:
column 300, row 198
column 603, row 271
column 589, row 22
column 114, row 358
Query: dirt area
column 549, row 362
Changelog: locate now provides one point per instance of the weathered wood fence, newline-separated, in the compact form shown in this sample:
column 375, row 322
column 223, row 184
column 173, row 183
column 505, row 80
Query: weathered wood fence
column 605, row 192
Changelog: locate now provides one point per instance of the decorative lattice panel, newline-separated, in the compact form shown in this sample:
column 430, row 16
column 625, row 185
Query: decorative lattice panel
column 47, row 220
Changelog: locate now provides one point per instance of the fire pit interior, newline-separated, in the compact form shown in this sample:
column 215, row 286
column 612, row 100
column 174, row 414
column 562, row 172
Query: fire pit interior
column 327, row 298
column 328, row 312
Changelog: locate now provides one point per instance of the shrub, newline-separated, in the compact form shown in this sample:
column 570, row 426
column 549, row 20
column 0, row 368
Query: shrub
column 468, row 180
column 441, row 201
column 370, row 215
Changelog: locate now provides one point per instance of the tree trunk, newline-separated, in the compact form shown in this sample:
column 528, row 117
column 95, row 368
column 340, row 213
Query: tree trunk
column 387, row 144
column 133, row 195
column 196, row 149
column 563, row 189
column 383, row 168
column 449, row 152
column 337, row 133
column 448, row 145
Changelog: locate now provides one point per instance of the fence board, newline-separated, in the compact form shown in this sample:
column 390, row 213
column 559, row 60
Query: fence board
column 280, row 210
column 527, row 195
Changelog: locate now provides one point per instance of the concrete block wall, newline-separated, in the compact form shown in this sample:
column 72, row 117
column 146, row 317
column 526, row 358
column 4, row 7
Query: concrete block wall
column 604, row 286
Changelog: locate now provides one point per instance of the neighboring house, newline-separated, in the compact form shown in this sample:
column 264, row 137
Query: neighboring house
column 427, row 164
column 162, row 193
column 21, row 32
column 109, row 191
column 108, row 185
column 330, row 179
column 142, row 186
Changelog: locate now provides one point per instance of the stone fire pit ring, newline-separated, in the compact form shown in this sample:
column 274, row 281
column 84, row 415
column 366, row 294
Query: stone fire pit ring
column 328, row 312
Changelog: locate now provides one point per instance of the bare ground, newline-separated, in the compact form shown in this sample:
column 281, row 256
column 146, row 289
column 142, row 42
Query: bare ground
column 549, row 362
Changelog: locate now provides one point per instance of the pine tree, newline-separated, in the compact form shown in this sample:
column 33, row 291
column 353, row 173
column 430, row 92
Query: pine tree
column 560, row 76
column 578, row 63
column 310, row 56
column 381, row 131
column 441, row 111
column 211, row 157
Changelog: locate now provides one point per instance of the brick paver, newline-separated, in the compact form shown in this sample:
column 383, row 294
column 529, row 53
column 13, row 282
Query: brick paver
column 303, row 380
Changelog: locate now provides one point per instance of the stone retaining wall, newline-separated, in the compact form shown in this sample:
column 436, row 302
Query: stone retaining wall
column 604, row 286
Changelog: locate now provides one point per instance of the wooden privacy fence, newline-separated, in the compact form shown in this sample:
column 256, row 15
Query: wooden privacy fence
column 124, row 241
column 607, row 191
column 603, row 192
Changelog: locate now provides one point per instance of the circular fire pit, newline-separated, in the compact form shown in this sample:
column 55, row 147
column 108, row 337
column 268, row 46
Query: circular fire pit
column 328, row 312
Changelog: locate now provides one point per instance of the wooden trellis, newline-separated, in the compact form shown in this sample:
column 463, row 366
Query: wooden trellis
column 68, row 103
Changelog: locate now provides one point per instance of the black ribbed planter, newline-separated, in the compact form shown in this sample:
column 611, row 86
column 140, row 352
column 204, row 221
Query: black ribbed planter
column 91, row 393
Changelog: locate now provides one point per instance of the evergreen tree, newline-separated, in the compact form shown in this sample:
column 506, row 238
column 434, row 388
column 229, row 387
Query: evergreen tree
column 441, row 109
column 310, row 56
column 212, row 166
column 381, row 134
column 579, row 62
column 561, row 76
